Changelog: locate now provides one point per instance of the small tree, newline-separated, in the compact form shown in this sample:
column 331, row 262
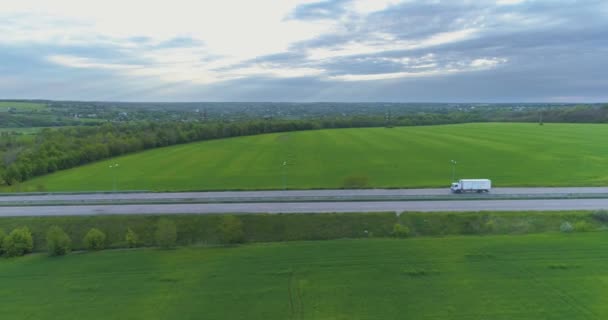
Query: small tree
column 489, row 226
column 131, row 238
column 400, row 231
column 231, row 230
column 18, row 242
column 58, row 242
column 94, row 239
column 583, row 226
column 166, row 234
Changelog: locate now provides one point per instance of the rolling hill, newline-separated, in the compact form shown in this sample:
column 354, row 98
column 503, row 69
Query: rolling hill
column 511, row 154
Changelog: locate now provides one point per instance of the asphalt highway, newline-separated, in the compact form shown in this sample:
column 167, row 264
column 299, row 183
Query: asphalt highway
column 289, row 194
column 311, row 207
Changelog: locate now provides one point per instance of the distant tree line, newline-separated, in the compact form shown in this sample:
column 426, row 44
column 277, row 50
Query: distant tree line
column 64, row 148
column 37, row 119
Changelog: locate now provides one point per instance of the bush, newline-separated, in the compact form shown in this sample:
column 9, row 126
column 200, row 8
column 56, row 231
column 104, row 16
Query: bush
column 231, row 230
column 566, row 227
column 18, row 242
column 355, row 182
column 601, row 216
column 400, row 231
column 2, row 236
column 131, row 238
column 489, row 226
column 94, row 240
column 521, row 225
column 166, row 233
column 58, row 242
column 583, row 226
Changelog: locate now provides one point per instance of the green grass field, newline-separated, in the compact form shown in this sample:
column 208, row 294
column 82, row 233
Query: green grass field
column 509, row 154
column 21, row 106
column 548, row 276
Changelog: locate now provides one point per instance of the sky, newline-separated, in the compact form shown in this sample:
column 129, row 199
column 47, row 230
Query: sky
column 305, row 50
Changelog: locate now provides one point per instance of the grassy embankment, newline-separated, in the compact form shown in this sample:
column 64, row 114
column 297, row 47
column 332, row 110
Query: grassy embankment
column 204, row 229
column 548, row 276
column 509, row 154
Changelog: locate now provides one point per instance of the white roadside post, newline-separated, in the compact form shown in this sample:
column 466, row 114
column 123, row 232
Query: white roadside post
column 284, row 175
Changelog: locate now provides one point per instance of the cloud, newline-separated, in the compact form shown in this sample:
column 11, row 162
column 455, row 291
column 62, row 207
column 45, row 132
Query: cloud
column 370, row 6
column 427, row 70
column 320, row 10
column 385, row 42
column 304, row 49
column 508, row 2
column 87, row 63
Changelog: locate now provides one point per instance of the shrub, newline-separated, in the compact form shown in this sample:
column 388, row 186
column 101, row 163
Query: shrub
column 414, row 272
column 18, row 242
column 355, row 182
column 166, row 233
column 600, row 215
column 58, row 242
column 94, row 240
column 471, row 225
column 521, row 225
column 400, row 231
column 131, row 238
column 489, row 226
column 2, row 236
column 231, row 230
column 566, row 227
column 583, row 226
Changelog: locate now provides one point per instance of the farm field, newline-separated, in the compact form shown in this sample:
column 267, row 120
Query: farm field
column 511, row 154
column 547, row 276
column 21, row 106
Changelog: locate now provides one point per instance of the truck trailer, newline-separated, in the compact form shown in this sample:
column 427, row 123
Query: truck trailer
column 471, row 185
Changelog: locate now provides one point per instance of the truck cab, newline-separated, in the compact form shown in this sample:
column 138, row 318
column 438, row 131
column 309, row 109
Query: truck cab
column 455, row 187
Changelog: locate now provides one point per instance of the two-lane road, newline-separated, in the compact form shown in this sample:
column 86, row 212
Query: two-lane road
column 289, row 194
column 312, row 207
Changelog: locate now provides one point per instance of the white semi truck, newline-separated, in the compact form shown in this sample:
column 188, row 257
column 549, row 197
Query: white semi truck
column 471, row 185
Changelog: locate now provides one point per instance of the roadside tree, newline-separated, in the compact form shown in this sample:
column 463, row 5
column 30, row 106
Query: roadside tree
column 231, row 230
column 132, row 238
column 18, row 242
column 95, row 239
column 58, row 242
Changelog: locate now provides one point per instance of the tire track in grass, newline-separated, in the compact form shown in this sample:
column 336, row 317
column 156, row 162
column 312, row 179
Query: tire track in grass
column 294, row 291
column 561, row 294
column 543, row 256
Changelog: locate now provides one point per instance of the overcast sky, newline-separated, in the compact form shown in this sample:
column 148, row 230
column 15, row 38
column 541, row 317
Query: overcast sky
column 298, row 50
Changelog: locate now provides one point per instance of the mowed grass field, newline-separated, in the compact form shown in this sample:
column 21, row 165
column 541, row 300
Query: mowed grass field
column 510, row 154
column 21, row 106
column 547, row 276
